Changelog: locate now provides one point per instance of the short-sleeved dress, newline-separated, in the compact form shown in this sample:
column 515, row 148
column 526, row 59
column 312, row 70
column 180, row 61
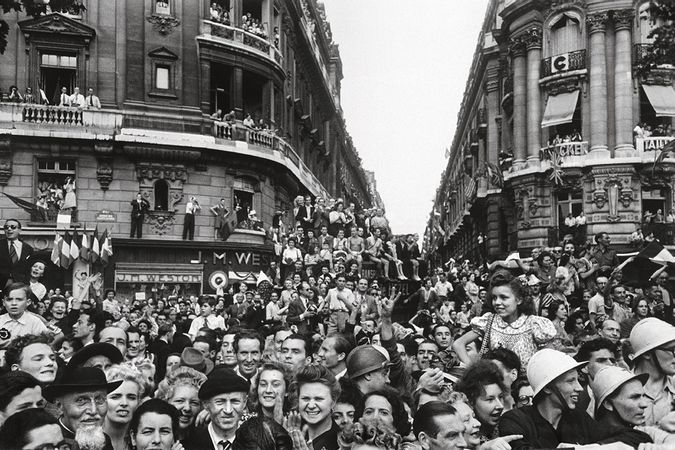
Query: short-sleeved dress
column 523, row 337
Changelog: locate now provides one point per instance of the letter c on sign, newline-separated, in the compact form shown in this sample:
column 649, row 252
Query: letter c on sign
column 560, row 63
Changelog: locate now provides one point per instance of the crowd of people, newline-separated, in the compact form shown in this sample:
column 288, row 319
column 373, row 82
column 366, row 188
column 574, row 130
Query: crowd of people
column 559, row 350
column 219, row 14
column 74, row 99
column 643, row 130
column 253, row 25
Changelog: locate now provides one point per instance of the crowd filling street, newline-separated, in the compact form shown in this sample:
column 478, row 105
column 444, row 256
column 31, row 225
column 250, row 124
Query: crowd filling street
column 567, row 347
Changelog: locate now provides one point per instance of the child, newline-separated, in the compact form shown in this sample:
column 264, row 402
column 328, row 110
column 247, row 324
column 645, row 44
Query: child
column 17, row 321
column 326, row 256
column 445, row 309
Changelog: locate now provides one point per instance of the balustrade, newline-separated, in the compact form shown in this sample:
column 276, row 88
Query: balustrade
column 652, row 143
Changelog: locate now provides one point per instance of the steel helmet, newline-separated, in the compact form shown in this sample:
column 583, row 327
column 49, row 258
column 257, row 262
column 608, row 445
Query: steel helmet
column 365, row 359
column 609, row 379
column 546, row 365
column 649, row 334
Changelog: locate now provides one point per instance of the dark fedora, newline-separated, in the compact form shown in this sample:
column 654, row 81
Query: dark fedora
column 97, row 349
column 193, row 358
column 79, row 379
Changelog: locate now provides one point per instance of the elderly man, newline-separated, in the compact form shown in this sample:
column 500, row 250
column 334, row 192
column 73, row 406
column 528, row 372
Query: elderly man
column 224, row 395
column 80, row 396
column 553, row 419
column 100, row 355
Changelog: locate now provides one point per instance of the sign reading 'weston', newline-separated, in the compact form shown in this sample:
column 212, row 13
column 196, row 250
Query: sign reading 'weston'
column 147, row 277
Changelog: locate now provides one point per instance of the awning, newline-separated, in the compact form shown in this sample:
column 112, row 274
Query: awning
column 662, row 99
column 560, row 109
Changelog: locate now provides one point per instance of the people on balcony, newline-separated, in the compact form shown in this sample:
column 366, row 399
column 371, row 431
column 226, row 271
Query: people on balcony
column 249, row 122
column 92, row 101
column 77, row 100
column 64, row 98
column 70, row 200
column 14, row 95
column 253, row 25
column 28, row 97
column 219, row 14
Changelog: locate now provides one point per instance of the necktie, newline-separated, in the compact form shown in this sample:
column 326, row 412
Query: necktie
column 12, row 253
column 224, row 445
column 89, row 101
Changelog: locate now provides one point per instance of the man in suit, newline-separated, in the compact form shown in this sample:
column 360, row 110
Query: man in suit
column 92, row 101
column 161, row 348
column 14, row 254
column 301, row 310
column 138, row 209
column 64, row 98
column 224, row 395
column 425, row 296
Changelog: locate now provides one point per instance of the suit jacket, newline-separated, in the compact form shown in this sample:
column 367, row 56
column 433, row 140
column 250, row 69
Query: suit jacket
column 296, row 308
column 162, row 350
column 199, row 440
column 16, row 272
column 138, row 211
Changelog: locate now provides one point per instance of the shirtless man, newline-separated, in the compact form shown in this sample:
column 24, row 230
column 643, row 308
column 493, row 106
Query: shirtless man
column 374, row 249
column 356, row 247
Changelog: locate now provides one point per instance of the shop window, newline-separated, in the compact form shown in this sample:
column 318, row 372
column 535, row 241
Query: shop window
column 56, row 189
column 564, row 33
column 161, row 191
column 57, row 71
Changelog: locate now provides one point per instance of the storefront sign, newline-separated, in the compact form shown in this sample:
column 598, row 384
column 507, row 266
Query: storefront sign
column 105, row 215
column 151, row 277
column 565, row 149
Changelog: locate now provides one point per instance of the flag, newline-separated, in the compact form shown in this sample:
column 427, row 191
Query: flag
column 65, row 251
column 56, row 249
column 657, row 253
column 74, row 247
column 27, row 206
column 43, row 96
column 106, row 248
column 665, row 152
column 95, row 252
column 262, row 277
column 84, row 248
column 494, row 174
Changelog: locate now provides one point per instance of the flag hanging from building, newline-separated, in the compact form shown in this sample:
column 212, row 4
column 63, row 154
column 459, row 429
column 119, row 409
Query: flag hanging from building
column 95, row 252
column 106, row 248
column 84, row 247
column 65, row 251
column 27, row 206
column 74, row 247
column 56, row 249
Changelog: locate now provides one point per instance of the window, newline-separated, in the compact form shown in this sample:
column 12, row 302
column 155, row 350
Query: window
column 55, row 189
column 244, row 192
column 57, row 71
column 162, row 7
column 161, row 191
column 162, row 74
column 569, row 202
column 564, row 34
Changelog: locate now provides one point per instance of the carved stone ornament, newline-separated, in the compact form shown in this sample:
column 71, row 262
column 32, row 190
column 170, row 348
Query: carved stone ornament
column 517, row 46
column 174, row 174
column 563, row 85
column 613, row 188
column 5, row 160
column 163, row 24
column 533, row 38
column 597, row 22
column 161, row 222
column 56, row 24
column 104, row 169
column 623, row 19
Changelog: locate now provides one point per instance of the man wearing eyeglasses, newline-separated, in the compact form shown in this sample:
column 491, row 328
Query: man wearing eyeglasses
column 14, row 254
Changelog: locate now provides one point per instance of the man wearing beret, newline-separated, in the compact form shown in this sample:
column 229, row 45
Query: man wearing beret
column 223, row 395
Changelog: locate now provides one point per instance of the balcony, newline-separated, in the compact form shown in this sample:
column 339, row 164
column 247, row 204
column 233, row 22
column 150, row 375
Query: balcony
column 652, row 144
column 56, row 118
column 563, row 63
column 564, row 151
column 239, row 39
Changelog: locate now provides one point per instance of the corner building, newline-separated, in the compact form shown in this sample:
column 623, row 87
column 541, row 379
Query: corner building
column 552, row 101
column 160, row 69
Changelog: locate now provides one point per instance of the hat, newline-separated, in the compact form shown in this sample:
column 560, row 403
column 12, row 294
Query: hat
column 533, row 281
column 649, row 334
column 251, row 213
column 193, row 358
column 609, row 379
column 223, row 380
column 97, row 349
column 365, row 359
column 546, row 365
column 79, row 379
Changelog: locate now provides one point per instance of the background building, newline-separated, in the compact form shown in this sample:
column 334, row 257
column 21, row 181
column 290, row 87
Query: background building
column 160, row 69
column 546, row 128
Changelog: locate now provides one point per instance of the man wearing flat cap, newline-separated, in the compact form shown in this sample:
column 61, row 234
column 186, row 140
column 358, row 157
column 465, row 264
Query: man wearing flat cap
column 224, row 395
column 80, row 396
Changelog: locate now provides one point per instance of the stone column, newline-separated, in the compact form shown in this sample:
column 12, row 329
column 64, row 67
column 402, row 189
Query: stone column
column 519, row 61
column 533, row 39
column 598, row 85
column 491, row 110
column 623, row 84
column 238, row 92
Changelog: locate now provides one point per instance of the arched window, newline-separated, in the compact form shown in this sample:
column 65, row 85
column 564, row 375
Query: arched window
column 564, row 33
column 161, row 191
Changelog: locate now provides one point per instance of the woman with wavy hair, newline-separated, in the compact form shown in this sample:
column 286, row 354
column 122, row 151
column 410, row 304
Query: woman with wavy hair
column 384, row 405
column 512, row 325
column 369, row 433
column 122, row 403
column 180, row 388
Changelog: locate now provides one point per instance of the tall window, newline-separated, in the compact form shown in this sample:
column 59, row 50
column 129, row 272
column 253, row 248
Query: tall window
column 161, row 191
column 244, row 194
column 55, row 187
column 162, row 77
column 57, row 71
column 565, row 33
column 569, row 202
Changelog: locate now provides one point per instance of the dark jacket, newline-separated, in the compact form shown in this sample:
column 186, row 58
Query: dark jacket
column 262, row 434
column 17, row 272
column 138, row 211
column 296, row 308
column 199, row 440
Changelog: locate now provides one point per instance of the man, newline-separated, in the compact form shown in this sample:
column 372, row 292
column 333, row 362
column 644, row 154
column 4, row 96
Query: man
column 653, row 343
column 32, row 354
column 365, row 302
column 18, row 391
column 611, row 330
column 596, row 305
column 438, row 426
column 92, row 101
column 427, row 351
column 355, row 246
column 333, row 353
column 553, row 419
column 64, row 98
column 340, row 301
column 325, row 237
column 17, row 321
column 374, row 252
column 115, row 336
column 80, row 397
column 296, row 352
column 299, row 311
column 654, row 295
column 599, row 352
column 662, row 280
column 191, row 208
column 134, row 342
column 279, row 338
column 443, row 288
column 207, row 318
column 99, row 355
column 227, row 353
column 14, row 254
column 77, row 100
column 138, row 209
column 616, row 307
column 255, row 313
column 161, row 348
column 368, row 368
column 85, row 327
column 224, row 396
column 248, row 349
column 425, row 296
column 32, row 428
column 606, row 258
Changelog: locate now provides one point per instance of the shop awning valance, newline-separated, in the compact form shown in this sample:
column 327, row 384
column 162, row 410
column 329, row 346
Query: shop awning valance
column 560, row 109
column 662, row 99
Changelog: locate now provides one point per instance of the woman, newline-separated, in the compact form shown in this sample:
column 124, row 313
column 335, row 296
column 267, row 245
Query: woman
column 575, row 326
column 640, row 308
column 154, row 426
column 58, row 309
column 368, row 435
column 337, row 218
column 122, row 403
column 512, row 325
column 384, row 405
column 317, row 393
column 557, row 314
column 69, row 346
column 70, row 201
column 290, row 255
column 180, row 388
column 38, row 291
column 483, row 385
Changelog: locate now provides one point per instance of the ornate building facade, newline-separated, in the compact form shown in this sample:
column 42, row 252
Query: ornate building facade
column 547, row 130
column 161, row 68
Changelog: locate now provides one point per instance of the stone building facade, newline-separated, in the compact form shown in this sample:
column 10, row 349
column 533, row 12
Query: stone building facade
column 161, row 68
column 552, row 104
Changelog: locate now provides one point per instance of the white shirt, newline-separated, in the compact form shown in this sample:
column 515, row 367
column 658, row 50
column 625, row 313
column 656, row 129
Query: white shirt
column 190, row 208
column 65, row 100
column 215, row 439
column 443, row 289
column 77, row 100
column 212, row 321
column 28, row 323
column 581, row 220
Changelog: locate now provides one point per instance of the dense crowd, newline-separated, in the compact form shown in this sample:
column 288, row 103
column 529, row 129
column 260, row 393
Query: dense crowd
column 563, row 349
